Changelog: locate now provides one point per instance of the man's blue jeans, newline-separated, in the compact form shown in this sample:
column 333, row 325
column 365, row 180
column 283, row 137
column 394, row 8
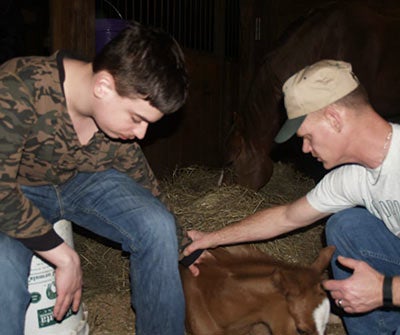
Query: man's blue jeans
column 111, row 205
column 358, row 234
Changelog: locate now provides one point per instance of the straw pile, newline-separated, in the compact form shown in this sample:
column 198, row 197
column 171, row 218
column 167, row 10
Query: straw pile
column 199, row 201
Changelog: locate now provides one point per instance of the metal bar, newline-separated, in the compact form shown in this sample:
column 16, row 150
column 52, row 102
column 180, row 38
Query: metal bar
column 155, row 23
column 162, row 14
column 210, row 25
column 172, row 14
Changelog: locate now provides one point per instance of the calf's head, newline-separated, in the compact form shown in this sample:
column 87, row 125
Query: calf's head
column 241, row 288
column 307, row 302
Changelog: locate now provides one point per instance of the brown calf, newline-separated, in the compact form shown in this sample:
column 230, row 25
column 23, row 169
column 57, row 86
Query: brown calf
column 241, row 290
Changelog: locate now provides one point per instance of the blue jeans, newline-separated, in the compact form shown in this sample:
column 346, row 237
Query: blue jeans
column 111, row 205
column 358, row 234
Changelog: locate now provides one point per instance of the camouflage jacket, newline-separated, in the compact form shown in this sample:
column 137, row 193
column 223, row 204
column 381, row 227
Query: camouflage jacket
column 39, row 146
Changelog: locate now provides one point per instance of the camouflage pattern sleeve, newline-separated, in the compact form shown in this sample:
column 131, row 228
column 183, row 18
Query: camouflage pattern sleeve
column 133, row 162
column 19, row 217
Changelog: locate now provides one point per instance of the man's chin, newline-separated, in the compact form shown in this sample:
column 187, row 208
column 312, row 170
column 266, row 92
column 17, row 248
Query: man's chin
column 326, row 165
column 114, row 137
column 329, row 166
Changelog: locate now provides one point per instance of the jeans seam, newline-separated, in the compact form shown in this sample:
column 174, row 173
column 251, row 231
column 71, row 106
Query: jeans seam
column 380, row 257
column 59, row 200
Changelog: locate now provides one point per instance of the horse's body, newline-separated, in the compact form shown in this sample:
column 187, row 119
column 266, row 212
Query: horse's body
column 349, row 32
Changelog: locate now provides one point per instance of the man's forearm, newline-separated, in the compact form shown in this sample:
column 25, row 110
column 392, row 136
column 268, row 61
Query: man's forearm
column 396, row 290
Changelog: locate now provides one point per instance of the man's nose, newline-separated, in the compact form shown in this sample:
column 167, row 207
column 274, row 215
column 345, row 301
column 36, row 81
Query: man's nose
column 306, row 146
column 140, row 130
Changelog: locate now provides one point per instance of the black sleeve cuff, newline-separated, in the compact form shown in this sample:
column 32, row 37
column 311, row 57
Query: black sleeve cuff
column 44, row 242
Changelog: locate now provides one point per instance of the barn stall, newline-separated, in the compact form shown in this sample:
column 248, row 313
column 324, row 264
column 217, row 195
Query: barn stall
column 224, row 42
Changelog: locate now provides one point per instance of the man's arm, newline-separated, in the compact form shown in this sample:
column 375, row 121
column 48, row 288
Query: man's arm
column 19, row 217
column 262, row 225
column 68, row 278
column 396, row 291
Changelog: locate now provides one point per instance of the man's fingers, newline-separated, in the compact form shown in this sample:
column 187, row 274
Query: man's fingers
column 349, row 263
column 194, row 270
column 333, row 284
column 64, row 302
column 77, row 301
column 61, row 307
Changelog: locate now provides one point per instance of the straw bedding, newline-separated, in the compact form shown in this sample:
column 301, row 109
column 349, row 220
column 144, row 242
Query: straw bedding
column 199, row 201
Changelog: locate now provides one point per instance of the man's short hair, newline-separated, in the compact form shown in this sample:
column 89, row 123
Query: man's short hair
column 146, row 63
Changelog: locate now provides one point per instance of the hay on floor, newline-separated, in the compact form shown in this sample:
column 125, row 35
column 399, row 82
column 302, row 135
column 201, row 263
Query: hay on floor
column 199, row 201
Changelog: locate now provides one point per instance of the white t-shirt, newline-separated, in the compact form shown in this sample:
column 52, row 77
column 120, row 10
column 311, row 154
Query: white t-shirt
column 352, row 185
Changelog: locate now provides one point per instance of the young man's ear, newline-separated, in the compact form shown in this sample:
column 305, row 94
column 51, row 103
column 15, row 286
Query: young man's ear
column 334, row 116
column 104, row 84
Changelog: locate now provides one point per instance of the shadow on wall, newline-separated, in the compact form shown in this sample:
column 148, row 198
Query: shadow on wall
column 24, row 28
column 11, row 30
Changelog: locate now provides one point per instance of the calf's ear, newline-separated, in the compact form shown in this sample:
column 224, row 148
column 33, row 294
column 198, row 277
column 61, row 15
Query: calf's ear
column 285, row 282
column 323, row 259
column 278, row 279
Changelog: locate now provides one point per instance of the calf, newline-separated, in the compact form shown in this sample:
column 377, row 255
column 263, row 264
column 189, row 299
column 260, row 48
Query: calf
column 241, row 290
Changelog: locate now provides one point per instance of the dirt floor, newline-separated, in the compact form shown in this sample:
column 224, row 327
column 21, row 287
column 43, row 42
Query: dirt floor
column 200, row 201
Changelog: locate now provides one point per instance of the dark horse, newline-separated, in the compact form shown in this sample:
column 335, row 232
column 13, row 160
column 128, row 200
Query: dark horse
column 350, row 32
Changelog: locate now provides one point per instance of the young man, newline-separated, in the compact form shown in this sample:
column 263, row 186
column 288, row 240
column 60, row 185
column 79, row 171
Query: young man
column 329, row 109
column 68, row 150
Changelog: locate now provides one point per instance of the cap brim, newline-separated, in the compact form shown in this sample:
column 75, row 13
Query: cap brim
column 289, row 128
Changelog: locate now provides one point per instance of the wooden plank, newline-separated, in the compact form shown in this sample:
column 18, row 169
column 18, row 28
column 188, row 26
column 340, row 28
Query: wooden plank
column 72, row 26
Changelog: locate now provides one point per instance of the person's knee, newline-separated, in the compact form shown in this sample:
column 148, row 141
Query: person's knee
column 166, row 232
column 157, row 231
column 334, row 228
column 164, row 228
column 13, row 280
column 347, row 223
column 15, row 259
column 14, row 294
column 352, row 231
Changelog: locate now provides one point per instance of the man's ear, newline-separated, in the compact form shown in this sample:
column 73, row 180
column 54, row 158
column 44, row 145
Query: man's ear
column 104, row 84
column 334, row 116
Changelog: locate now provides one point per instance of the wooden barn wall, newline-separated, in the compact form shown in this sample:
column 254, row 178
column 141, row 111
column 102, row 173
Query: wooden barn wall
column 195, row 134
column 72, row 25
column 219, row 80
column 200, row 128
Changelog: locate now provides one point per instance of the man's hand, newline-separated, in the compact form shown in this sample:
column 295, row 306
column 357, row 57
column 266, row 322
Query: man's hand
column 68, row 275
column 201, row 240
column 361, row 292
column 194, row 268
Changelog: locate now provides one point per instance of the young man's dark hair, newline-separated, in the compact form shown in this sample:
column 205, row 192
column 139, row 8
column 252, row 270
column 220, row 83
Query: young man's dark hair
column 148, row 63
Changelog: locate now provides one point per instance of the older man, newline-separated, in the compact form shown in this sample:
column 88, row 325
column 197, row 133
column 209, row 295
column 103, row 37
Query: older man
column 330, row 111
